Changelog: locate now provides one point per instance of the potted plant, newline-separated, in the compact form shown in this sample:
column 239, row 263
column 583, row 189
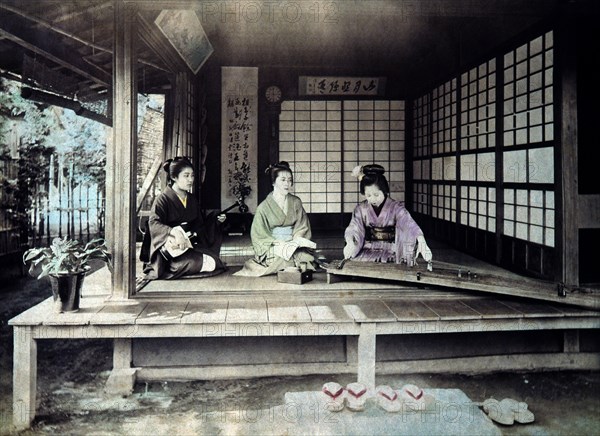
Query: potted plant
column 65, row 263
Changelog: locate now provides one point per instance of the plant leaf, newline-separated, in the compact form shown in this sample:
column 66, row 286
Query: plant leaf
column 32, row 253
column 46, row 270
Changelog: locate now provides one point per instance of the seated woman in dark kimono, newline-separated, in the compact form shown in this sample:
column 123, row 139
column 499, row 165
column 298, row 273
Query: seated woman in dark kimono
column 175, row 215
column 280, row 229
column 381, row 229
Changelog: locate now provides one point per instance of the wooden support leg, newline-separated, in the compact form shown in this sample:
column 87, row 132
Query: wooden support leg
column 24, row 377
column 122, row 353
column 335, row 278
column 366, row 355
column 122, row 377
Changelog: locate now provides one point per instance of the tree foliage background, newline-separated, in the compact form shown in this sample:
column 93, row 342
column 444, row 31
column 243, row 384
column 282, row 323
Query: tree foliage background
column 44, row 131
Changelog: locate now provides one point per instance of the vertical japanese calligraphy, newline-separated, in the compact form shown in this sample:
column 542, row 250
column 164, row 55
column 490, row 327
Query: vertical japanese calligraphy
column 239, row 135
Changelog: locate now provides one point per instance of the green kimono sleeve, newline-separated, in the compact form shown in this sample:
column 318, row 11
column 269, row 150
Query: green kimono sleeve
column 302, row 225
column 260, row 233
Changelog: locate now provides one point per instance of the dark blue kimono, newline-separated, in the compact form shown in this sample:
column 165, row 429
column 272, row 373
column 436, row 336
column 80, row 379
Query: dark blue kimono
column 167, row 212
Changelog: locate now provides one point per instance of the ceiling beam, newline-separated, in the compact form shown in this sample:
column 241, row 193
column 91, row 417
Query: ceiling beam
column 165, row 4
column 88, row 10
column 100, row 46
column 48, row 45
column 56, row 100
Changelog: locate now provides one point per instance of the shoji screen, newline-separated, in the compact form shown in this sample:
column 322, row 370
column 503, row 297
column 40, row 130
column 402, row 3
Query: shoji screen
column 422, row 154
column 528, row 151
column 373, row 133
column 477, row 171
column 324, row 140
column 443, row 145
column 310, row 139
column 483, row 160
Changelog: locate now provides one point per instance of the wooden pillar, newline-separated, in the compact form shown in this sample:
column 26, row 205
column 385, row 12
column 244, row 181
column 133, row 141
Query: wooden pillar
column 122, row 154
column 566, row 155
column 24, row 377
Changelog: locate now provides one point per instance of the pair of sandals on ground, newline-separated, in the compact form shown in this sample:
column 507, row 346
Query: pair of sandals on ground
column 409, row 398
column 508, row 411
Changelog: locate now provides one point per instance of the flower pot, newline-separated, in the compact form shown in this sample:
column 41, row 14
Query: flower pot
column 66, row 290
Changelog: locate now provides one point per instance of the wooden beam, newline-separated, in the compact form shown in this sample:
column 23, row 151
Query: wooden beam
column 52, row 26
column 566, row 154
column 89, row 10
column 488, row 364
column 466, row 365
column 122, row 155
column 154, row 5
column 220, row 372
column 56, row 100
column 47, row 44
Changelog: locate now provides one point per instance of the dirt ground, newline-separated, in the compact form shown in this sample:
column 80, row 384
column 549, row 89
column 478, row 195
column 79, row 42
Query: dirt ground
column 71, row 400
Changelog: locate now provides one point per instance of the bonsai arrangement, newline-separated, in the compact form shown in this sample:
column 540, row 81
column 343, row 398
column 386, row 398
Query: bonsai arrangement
column 66, row 263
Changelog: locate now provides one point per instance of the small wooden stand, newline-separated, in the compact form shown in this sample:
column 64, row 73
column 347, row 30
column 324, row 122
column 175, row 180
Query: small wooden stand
column 296, row 277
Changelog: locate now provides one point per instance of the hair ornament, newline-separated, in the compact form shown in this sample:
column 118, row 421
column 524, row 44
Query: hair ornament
column 358, row 172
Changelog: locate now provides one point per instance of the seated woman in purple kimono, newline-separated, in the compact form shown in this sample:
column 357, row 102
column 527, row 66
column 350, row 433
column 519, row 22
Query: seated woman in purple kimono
column 176, row 215
column 381, row 229
column 280, row 229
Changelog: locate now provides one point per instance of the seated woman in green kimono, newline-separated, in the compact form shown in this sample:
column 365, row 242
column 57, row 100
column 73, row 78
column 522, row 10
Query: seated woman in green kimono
column 280, row 229
column 168, row 250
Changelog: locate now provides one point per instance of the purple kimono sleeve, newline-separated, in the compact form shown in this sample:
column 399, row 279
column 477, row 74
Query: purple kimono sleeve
column 355, row 232
column 407, row 231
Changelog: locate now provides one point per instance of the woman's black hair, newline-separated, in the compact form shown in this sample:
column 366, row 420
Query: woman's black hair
column 373, row 175
column 274, row 170
column 175, row 166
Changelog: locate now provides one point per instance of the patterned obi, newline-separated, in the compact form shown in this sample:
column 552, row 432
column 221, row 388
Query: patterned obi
column 387, row 234
column 283, row 233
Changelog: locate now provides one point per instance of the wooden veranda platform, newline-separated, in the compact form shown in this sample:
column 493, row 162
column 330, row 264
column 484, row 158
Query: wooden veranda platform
column 237, row 306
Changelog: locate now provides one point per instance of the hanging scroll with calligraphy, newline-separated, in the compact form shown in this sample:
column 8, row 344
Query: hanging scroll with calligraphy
column 239, row 137
column 350, row 86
